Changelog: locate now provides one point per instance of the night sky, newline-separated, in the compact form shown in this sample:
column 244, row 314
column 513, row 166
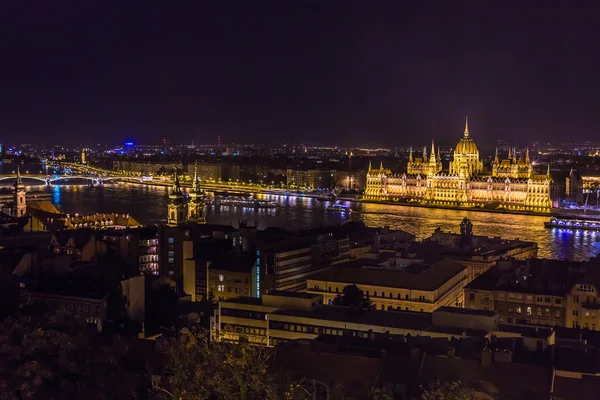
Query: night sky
column 349, row 72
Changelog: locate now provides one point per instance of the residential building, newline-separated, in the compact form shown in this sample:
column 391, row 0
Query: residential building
column 79, row 245
column 235, row 275
column 205, row 171
column 43, row 216
column 293, row 260
column 93, row 309
column 171, row 244
column 147, row 167
column 138, row 248
column 583, row 299
column 532, row 291
column 311, row 178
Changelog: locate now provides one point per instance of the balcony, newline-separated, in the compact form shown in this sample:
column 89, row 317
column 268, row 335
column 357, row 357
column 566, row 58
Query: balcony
column 590, row 306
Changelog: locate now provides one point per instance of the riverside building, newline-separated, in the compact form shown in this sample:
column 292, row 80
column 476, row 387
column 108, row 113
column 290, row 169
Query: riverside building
column 512, row 185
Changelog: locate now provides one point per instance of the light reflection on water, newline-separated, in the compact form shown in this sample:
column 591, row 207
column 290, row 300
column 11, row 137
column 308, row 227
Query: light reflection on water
column 148, row 205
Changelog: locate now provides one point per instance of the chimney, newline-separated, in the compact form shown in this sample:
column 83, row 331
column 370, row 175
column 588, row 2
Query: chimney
column 377, row 243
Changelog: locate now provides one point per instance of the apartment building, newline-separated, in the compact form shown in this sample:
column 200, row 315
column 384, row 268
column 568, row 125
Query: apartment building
column 540, row 292
column 294, row 260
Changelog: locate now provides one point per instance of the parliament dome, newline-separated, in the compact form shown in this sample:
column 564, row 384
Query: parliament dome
column 466, row 145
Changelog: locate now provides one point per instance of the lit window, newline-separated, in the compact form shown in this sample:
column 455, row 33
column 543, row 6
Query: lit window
column 171, row 240
column 518, row 309
column 221, row 278
column 221, row 288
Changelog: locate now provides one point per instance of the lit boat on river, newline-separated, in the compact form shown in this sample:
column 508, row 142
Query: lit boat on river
column 573, row 224
column 248, row 203
column 341, row 208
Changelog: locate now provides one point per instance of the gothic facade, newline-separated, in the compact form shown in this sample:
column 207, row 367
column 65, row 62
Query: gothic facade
column 512, row 184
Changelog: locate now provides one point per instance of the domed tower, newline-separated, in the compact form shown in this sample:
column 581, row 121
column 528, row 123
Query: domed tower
column 19, row 199
column 196, row 207
column 177, row 208
column 466, row 160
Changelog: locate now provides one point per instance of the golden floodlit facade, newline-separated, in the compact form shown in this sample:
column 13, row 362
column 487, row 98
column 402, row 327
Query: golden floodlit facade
column 512, row 184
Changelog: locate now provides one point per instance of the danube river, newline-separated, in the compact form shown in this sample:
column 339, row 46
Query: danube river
column 148, row 204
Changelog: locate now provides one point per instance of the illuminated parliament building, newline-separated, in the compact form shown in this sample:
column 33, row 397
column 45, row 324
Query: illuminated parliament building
column 512, row 184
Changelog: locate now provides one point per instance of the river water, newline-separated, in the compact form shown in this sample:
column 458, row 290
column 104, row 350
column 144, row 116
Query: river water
column 148, row 205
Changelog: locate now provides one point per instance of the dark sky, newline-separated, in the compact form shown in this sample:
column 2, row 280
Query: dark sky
column 356, row 72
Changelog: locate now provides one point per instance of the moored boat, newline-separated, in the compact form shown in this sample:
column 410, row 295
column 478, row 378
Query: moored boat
column 573, row 224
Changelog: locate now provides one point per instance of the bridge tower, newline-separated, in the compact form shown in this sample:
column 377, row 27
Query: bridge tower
column 19, row 201
column 177, row 208
column 196, row 206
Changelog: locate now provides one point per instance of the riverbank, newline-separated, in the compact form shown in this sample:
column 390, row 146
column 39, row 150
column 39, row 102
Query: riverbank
column 280, row 192
column 457, row 208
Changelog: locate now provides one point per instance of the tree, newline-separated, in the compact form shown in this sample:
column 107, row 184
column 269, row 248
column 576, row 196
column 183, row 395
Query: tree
column 9, row 294
column 199, row 369
column 51, row 356
column 446, row 391
column 352, row 296
column 380, row 394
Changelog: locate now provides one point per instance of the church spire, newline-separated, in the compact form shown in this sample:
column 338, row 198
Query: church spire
column 369, row 170
column 176, row 188
column 424, row 154
column 438, row 155
column 514, row 155
column 496, row 161
column 19, row 201
column 432, row 159
column 466, row 126
column 19, row 181
column 548, row 171
column 527, row 156
column 381, row 166
column 195, row 184
column 410, row 156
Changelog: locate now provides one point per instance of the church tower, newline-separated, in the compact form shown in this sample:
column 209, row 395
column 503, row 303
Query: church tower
column 19, row 201
column 177, row 208
column 196, row 207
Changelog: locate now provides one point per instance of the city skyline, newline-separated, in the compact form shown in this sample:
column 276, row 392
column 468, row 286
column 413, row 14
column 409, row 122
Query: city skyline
column 298, row 199
column 311, row 71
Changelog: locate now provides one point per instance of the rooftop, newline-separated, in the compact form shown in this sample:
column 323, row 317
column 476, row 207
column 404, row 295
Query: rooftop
column 466, row 311
column 243, row 300
column 286, row 293
column 230, row 262
column 457, row 245
column 527, row 331
column 536, row 276
column 376, row 318
column 420, row 277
